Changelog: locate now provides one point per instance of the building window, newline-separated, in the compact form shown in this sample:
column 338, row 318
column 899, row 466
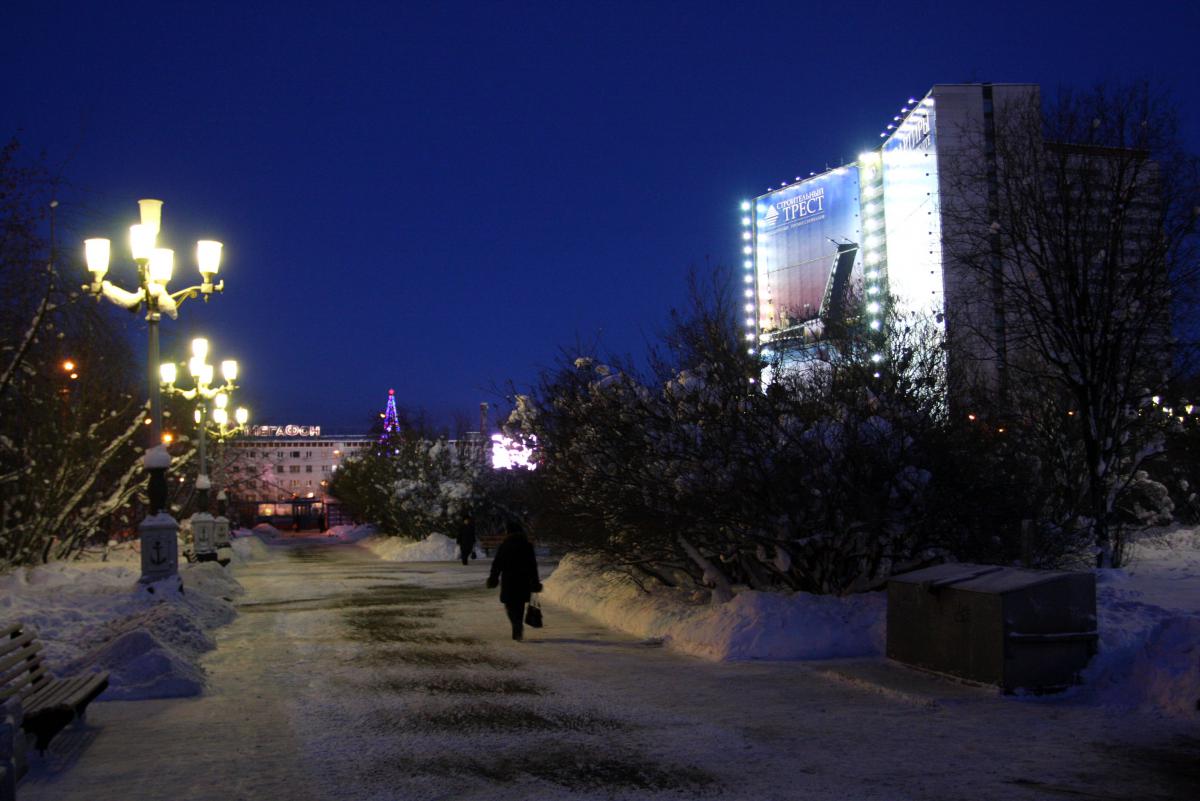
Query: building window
column 295, row 468
column 295, row 454
column 308, row 468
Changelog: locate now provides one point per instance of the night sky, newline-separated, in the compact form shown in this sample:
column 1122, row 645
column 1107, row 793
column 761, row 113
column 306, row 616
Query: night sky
column 438, row 197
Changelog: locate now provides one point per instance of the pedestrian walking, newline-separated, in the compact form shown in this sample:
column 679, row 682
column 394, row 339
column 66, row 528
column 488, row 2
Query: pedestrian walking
column 466, row 538
column 515, row 570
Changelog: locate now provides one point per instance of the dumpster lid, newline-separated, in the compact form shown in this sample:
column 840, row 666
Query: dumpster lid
column 980, row 578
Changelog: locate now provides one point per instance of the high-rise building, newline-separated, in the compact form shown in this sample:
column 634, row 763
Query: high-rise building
column 880, row 228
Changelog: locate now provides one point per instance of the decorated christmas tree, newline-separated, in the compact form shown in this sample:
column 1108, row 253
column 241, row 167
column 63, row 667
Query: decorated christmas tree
column 391, row 423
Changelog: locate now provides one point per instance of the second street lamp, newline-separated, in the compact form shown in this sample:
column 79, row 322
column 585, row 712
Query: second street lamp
column 203, row 523
column 222, row 431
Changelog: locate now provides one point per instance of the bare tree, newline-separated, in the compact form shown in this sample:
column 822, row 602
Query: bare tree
column 1075, row 223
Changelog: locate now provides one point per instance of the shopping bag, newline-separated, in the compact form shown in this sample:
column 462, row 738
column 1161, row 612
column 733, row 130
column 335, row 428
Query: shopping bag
column 533, row 614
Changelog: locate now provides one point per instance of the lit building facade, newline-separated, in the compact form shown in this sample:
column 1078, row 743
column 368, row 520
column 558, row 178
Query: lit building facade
column 877, row 229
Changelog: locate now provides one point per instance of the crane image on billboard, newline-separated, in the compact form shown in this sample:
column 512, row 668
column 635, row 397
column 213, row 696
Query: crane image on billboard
column 806, row 247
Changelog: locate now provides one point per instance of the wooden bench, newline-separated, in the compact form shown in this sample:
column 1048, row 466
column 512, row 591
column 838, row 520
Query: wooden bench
column 48, row 704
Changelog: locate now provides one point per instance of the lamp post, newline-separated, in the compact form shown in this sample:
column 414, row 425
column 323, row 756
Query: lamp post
column 158, row 531
column 223, row 432
column 203, row 524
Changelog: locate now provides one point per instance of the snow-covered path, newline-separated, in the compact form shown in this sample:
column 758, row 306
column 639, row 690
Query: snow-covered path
column 346, row 677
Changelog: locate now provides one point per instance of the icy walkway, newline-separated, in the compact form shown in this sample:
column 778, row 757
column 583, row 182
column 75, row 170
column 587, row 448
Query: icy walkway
column 349, row 678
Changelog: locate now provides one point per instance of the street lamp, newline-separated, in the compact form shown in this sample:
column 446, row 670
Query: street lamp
column 223, row 431
column 160, row 558
column 203, row 391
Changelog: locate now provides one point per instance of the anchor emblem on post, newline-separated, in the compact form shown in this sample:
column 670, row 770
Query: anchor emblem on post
column 158, row 558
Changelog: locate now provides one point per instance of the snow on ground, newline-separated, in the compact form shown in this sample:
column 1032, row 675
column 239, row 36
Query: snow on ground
column 754, row 625
column 351, row 533
column 94, row 615
column 434, row 548
column 1149, row 622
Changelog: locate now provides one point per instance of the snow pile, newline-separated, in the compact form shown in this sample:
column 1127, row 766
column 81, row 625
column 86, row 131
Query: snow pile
column 351, row 533
column 1149, row 621
column 247, row 548
column 95, row 616
column 267, row 530
column 754, row 625
column 434, row 548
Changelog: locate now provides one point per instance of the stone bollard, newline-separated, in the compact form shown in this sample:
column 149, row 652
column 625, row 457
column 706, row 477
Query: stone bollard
column 160, row 547
column 204, row 536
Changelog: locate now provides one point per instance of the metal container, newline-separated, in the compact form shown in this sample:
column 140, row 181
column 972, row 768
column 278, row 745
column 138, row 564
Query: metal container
column 1016, row 628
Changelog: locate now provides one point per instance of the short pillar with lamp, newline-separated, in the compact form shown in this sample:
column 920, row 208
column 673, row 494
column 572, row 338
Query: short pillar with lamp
column 158, row 532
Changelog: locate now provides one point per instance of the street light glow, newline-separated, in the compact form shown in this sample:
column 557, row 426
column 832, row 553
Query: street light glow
column 208, row 256
column 229, row 369
column 162, row 264
column 151, row 214
column 167, row 372
column 141, row 242
column 97, row 252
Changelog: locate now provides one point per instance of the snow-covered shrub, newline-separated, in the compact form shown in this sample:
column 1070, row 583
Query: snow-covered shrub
column 411, row 485
column 689, row 473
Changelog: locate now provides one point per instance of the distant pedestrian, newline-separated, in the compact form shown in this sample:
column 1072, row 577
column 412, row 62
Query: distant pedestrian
column 466, row 538
column 515, row 570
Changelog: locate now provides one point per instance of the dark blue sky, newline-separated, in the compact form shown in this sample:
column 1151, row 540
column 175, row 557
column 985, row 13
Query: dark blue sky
column 437, row 197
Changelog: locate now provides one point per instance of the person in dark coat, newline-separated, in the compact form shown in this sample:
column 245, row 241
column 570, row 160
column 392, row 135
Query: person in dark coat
column 515, row 570
column 466, row 538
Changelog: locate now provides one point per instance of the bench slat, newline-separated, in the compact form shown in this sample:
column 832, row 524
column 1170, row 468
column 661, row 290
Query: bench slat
column 20, row 661
column 10, row 649
column 27, row 682
column 11, row 629
column 70, row 693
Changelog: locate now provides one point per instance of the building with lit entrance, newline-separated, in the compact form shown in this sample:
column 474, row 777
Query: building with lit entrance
column 282, row 473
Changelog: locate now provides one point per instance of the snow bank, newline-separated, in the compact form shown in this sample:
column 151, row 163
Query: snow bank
column 754, row 625
column 351, row 533
column 1149, row 622
column 247, row 547
column 434, row 548
column 96, row 616
column 267, row 530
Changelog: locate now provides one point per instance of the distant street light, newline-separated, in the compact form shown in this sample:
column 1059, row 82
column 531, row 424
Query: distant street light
column 203, row 524
column 158, row 531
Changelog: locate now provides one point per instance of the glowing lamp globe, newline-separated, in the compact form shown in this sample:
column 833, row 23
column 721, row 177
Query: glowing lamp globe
column 208, row 256
column 199, row 348
column 229, row 369
column 220, row 416
column 221, row 400
column 241, row 415
column 196, row 415
column 206, row 375
column 151, row 212
column 97, row 252
column 162, row 264
column 167, row 372
column 141, row 242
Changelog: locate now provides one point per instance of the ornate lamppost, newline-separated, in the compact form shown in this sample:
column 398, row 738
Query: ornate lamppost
column 204, row 525
column 158, row 531
column 223, row 431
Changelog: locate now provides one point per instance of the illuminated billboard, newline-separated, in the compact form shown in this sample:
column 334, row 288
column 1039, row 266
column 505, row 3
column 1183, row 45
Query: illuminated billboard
column 806, row 244
column 912, row 209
